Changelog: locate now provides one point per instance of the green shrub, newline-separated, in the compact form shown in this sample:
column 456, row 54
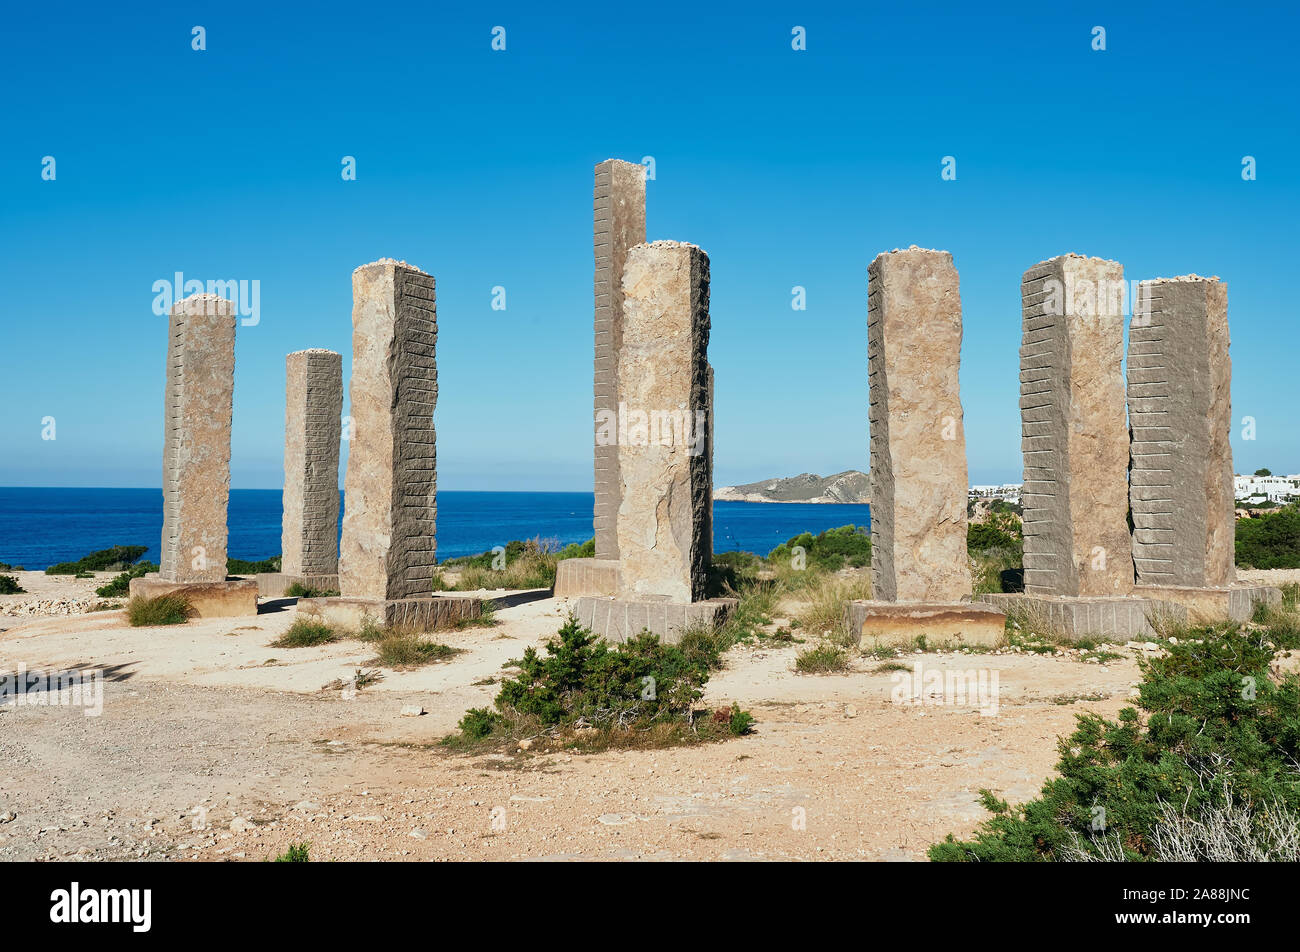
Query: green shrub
column 9, row 585
column 402, row 649
column 296, row 853
column 830, row 550
column 172, row 609
column 739, row 722
column 1270, row 540
column 103, row 560
column 479, row 723
column 120, row 585
column 822, row 659
column 304, row 633
column 1218, row 729
column 245, row 567
column 578, row 550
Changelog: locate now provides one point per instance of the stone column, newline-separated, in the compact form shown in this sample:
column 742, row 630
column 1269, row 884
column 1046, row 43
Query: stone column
column 619, row 224
column 1179, row 402
column 196, row 456
column 664, row 464
column 918, row 442
column 388, row 549
column 312, row 409
column 1074, row 431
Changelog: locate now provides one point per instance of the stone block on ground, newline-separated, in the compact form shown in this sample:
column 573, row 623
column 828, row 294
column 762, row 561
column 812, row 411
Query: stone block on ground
column 577, row 577
column 232, row 598
column 276, row 584
column 1209, row 605
column 898, row 624
column 618, row 619
column 429, row 613
column 1111, row 618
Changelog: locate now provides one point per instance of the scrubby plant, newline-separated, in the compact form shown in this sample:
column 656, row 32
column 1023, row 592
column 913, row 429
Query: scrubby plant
column 169, row 609
column 117, row 557
column 584, row 684
column 405, row 649
column 1270, row 540
column 245, row 567
column 523, row 564
column 830, row 550
column 823, row 658
column 1214, row 727
column 296, row 853
column 304, row 633
column 120, row 585
column 9, row 585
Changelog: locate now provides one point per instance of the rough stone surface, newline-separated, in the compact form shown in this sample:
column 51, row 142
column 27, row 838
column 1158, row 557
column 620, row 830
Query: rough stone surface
column 918, row 443
column 1209, row 605
column 224, row 599
column 1109, row 617
column 1074, row 429
column 1180, row 413
column 576, row 577
column 899, row 624
column 619, row 218
column 309, row 542
column 388, row 549
column 664, row 464
column 618, row 619
column 196, row 452
column 426, row 613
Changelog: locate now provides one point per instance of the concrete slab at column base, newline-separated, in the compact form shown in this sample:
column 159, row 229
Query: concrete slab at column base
column 229, row 599
column 577, row 577
column 899, row 624
column 422, row 614
column 1117, row 617
column 1208, row 605
column 618, row 619
column 276, row 584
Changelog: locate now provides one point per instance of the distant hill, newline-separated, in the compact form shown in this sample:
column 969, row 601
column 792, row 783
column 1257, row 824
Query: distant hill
column 850, row 486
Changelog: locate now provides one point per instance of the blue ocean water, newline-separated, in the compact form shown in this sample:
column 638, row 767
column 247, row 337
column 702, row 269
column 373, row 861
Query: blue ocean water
column 39, row 527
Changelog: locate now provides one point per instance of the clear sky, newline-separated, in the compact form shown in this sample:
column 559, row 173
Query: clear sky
column 788, row 167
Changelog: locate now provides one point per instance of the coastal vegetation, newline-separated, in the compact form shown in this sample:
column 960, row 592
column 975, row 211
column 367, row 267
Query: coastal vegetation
column 583, row 693
column 9, row 586
column 169, row 609
column 1269, row 540
column 114, row 559
column 519, row 564
column 1202, row 768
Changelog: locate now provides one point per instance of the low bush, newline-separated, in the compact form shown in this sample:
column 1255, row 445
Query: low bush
column 824, row 658
column 830, row 550
column 120, row 585
column 169, row 609
column 296, row 853
column 245, row 567
column 1270, row 540
column 104, row 560
column 1215, row 731
column 298, row 590
column 404, row 649
column 304, row 634
column 595, row 694
column 9, row 585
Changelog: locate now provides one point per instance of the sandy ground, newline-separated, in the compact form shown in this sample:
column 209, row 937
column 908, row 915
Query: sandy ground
column 213, row 745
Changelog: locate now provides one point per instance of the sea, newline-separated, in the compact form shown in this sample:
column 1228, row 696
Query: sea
column 42, row 526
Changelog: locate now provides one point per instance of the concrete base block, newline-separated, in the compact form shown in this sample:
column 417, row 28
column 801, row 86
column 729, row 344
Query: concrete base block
column 899, row 624
column 577, row 577
column 229, row 599
column 1209, row 605
column 1112, row 617
column 618, row 619
column 275, row 584
column 422, row 614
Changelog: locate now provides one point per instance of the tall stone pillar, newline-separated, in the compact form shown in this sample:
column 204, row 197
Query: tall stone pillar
column 388, row 549
column 918, row 443
column 619, row 215
column 1074, row 431
column 196, row 455
column 1179, row 401
column 664, row 460
column 312, row 411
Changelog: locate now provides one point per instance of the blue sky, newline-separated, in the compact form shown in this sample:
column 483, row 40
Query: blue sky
column 788, row 168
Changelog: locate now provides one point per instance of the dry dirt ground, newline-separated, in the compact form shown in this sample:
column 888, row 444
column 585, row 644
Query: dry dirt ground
column 212, row 745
